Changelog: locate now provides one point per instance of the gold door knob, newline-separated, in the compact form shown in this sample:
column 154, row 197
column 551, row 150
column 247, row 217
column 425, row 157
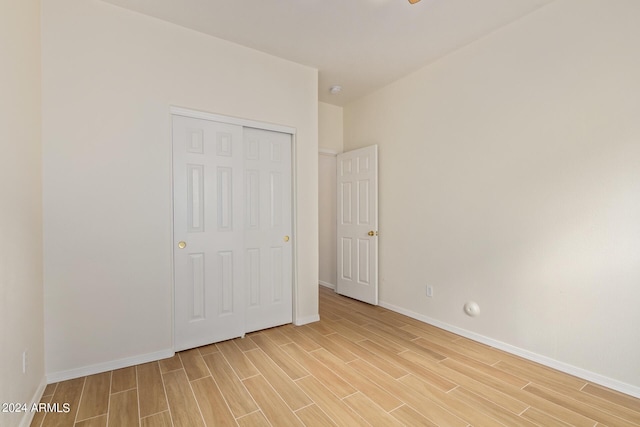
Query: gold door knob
column 182, row 245
column 286, row 238
column 371, row 233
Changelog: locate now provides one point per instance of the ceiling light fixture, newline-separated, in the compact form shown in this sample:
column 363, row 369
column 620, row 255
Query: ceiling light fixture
column 334, row 90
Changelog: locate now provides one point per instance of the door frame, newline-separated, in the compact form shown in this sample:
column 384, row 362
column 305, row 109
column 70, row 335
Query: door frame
column 196, row 114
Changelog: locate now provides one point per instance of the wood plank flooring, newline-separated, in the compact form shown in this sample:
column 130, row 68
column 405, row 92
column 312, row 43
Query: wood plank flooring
column 359, row 366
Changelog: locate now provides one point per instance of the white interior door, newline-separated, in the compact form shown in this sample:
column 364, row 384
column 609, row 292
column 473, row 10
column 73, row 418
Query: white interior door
column 357, row 206
column 267, row 231
column 232, row 196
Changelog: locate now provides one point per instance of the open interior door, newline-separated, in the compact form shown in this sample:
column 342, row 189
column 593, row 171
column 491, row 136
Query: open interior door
column 357, row 239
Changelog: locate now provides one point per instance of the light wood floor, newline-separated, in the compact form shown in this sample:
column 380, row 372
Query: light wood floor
column 361, row 365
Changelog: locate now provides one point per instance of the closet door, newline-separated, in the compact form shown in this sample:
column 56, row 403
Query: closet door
column 267, row 238
column 208, row 232
column 232, row 230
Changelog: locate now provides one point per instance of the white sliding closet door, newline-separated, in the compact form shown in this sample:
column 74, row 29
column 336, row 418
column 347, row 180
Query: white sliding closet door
column 267, row 235
column 232, row 229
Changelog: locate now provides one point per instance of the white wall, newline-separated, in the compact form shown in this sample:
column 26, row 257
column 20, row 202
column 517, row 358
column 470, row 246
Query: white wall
column 109, row 79
column 327, row 219
column 330, row 129
column 509, row 175
column 21, row 323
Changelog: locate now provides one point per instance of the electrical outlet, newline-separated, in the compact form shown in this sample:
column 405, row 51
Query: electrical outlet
column 429, row 291
column 24, row 361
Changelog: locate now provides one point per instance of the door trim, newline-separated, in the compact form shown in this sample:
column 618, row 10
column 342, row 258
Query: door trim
column 196, row 114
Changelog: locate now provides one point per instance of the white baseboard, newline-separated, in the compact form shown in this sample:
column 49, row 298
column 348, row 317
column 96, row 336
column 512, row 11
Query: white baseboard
column 28, row 415
column 307, row 319
column 611, row 383
column 55, row 377
column 327, row 284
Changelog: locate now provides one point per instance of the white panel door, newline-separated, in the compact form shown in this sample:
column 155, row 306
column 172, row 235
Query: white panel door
column 267, row 228
column 357, row 194
column 208, row 232
column 232, row 229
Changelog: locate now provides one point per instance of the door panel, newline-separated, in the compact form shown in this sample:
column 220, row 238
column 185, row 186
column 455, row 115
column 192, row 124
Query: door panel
column 268, row 200
column 357, row 186
column 207, row 184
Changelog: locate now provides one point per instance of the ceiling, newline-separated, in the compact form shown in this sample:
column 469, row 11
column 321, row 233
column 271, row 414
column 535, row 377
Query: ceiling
column 360, row 45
